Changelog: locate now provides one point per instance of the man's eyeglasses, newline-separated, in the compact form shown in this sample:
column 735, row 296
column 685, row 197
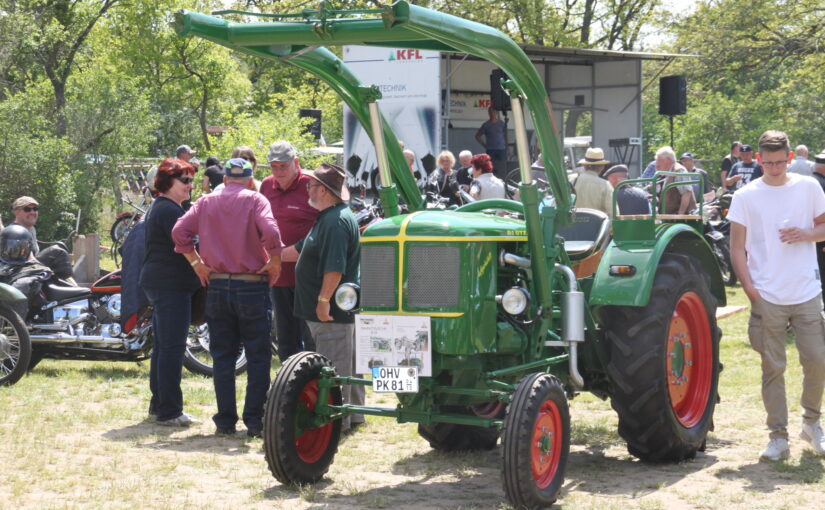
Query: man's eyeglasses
column 774, row 164
column 185, row 180
column 311, row 185
column 30, row 208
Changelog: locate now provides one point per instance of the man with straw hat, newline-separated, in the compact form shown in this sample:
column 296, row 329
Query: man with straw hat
column 591, row 190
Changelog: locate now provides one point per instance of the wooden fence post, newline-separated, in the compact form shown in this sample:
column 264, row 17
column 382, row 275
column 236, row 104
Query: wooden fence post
column 86, row 258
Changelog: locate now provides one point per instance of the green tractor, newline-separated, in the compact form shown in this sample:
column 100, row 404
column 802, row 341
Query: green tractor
column 503, row 309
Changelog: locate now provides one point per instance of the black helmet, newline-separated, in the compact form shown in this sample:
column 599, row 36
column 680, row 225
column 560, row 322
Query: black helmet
column 16, row 244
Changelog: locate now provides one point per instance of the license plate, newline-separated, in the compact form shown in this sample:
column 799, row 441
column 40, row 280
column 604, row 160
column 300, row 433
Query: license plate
column 395, row 379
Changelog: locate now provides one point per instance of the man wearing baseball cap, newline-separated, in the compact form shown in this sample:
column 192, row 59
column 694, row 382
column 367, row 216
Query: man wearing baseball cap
column 286, row 190
column 327, row 257
column 185, row 153
column 56, row 257
column 743, row 172
column 239, row 257
column 689, row 162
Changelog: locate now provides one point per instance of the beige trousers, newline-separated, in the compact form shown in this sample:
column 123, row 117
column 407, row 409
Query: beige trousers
column 766, row 331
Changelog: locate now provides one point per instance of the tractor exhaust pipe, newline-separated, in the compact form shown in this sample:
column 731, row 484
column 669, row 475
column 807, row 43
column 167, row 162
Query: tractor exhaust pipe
column 572, row 325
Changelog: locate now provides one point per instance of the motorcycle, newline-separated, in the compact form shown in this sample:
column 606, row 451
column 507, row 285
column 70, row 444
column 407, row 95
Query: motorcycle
column 717, row 234
column 79, row 323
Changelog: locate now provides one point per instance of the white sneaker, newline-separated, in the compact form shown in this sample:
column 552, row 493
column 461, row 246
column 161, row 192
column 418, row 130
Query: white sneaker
column 184, row 420
column 777, row 449
column 813, row 435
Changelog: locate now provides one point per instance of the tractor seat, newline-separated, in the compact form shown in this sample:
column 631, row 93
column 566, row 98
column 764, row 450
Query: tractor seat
column 587, row 234
column 60, row 293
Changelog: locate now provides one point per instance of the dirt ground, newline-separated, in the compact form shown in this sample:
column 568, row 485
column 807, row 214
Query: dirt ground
column 73, row 435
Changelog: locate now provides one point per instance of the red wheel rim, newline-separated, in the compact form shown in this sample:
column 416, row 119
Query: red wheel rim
column 311, row 443
column 689, row 359
column 546, row 444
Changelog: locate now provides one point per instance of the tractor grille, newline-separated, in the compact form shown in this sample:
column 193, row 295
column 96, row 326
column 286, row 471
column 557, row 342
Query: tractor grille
column 378, row 286
column 432, row 276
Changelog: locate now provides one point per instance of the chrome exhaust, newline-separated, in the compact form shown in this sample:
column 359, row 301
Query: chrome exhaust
column 63, row 338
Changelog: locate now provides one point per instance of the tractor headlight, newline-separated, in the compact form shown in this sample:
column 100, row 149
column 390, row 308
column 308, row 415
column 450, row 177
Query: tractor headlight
column 515, row 300
column 346, row 296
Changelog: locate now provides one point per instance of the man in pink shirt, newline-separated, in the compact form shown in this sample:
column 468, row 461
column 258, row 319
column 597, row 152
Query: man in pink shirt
column 286, row 190
column 240, row 257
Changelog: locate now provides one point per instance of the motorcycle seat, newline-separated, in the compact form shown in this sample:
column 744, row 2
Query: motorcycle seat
column 60, row 293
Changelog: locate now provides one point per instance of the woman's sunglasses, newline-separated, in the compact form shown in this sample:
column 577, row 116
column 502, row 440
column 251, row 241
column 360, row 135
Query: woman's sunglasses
column 185, row 180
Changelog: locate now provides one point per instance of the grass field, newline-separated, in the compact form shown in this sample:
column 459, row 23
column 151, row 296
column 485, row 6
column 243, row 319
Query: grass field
column 74, row 435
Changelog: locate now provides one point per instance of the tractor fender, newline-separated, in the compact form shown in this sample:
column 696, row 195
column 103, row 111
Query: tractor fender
column 10, row 294
column 644, row 256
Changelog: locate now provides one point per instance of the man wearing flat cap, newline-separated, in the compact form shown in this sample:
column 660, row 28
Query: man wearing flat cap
column 286, row 190
column 629, row 199
column 239, row 256
column 591, row 190
column 327, row 257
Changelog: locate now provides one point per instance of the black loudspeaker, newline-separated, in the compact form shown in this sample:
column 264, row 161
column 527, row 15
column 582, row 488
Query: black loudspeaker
column 673, row 95
column 500, row 99
column 314, row 127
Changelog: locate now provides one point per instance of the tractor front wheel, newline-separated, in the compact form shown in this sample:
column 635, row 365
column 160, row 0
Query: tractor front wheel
column 664, row 364
column 536, row 442
column 297, row 451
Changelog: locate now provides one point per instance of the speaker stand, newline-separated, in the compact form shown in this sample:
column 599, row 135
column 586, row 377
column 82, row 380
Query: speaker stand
column 671, row 130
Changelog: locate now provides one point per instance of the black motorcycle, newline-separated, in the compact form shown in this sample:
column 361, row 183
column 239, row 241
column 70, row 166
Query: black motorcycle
column 79, row 323
column 717, row 234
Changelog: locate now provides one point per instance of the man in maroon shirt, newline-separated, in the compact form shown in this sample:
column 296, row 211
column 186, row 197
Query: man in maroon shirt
column 239, row 256
column 286, row 190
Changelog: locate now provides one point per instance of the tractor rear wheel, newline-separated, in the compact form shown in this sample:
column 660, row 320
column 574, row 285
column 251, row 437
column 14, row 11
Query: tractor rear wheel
column 295, row 451
column 536, row 442
column 452, row 437
column 664, row 364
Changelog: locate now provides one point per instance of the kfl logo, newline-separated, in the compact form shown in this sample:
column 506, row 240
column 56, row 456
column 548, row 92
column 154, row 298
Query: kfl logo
column 409, row 54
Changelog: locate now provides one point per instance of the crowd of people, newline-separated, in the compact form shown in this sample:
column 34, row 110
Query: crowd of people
column 286, row 242
column 289, row 241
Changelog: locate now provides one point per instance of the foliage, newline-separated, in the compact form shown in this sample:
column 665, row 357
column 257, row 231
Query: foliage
column 748, row 77
column 33, row 163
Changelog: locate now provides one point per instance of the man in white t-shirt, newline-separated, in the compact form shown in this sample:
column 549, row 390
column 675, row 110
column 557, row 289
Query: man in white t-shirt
column 775, row 222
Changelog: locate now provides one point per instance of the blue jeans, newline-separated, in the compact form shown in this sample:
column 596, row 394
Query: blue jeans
column 497, row 154
column 170, row 324
column 238, row 315
column 293, row 334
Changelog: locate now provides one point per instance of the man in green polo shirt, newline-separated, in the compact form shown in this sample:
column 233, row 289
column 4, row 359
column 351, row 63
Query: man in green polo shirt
column 328, row 256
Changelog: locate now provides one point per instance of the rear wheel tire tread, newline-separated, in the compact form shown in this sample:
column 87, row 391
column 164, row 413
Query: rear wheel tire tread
column 640, row 392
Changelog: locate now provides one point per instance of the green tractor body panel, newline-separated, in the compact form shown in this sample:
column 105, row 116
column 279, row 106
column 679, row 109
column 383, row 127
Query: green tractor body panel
column 643, row 254
column 445, row 266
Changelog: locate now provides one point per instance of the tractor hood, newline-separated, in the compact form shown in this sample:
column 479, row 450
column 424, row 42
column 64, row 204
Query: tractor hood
column 448, row 226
